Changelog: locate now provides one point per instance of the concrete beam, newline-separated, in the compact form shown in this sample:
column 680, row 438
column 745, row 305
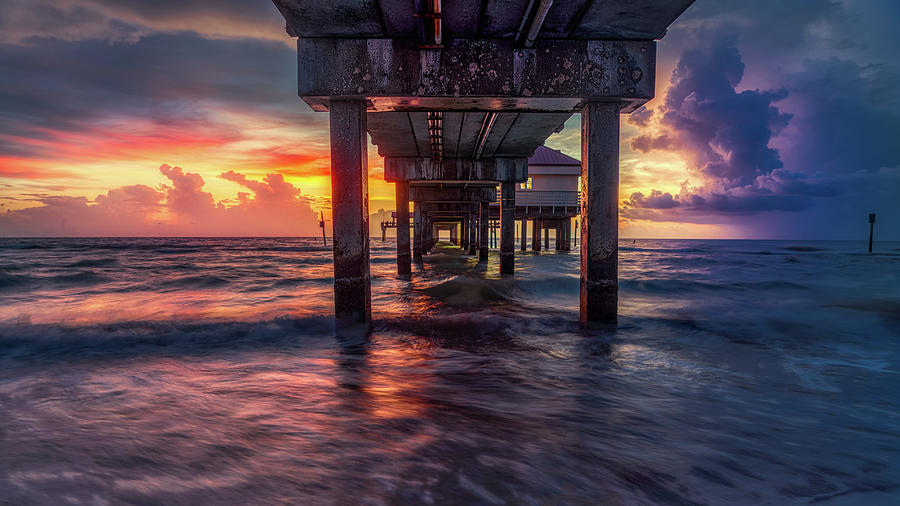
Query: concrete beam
column 452, row 195
column 456, row 208
column 455, row 169
column 476, row 74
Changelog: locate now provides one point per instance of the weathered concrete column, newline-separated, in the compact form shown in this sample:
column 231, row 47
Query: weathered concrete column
column 522, row 239
column 453, row 237
column 567, row 234
column 547, row 235
column 402, row 203
column 463, row 234
column 473, row 233
column 418, row 231
column 507, row 228
column 483, row 232
column 556, row 235
column 536, row 235
column 350, row 213
column 599, row 212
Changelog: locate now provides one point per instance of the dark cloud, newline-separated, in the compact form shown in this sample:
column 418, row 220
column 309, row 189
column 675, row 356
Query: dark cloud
column 170, row 82
column 799, row 125
column 24, row 21
column 847, row 119
column 724, row 132
column 656, row 200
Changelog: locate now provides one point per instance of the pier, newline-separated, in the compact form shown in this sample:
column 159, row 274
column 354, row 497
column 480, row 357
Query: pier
column 457, row 98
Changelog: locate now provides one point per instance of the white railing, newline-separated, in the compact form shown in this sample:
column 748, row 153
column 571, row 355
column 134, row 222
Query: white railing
column 544, row 198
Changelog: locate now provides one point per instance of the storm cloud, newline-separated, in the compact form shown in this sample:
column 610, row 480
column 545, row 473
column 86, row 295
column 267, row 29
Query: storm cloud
column 798, row 125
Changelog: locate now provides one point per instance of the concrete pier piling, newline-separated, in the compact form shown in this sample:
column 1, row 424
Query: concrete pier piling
column 418, row 230
column 524, row 236
column 350, row 213
column 473, row 234
column 599, row 212
column 483, row 232
column 401, row 189
column 507, row 228
column 536, row 235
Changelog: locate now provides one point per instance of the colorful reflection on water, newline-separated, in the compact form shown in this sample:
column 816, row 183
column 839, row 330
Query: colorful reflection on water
column 182, row 371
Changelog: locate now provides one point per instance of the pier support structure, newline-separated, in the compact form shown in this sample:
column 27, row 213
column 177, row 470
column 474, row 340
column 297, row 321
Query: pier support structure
column 507, row 227
column 524, row 236
column 599, row 212
column 402, row 200
column 473, row 233
column 462, row 104
column 418, row 228
column 350, row 213
column 483, row 232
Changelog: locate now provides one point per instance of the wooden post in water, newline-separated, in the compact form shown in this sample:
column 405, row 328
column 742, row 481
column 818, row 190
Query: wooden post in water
column 322, row 226
column 871, row 229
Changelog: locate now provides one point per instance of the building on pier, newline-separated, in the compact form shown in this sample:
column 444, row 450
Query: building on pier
column 548, row 200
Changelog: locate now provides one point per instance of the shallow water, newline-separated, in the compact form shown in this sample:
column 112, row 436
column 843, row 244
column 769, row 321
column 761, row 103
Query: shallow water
column 184, row 371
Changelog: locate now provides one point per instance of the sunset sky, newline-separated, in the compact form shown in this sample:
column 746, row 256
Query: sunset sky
column 772, row 119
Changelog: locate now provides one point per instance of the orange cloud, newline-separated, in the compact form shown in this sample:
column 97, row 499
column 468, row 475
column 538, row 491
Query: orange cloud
column 272, row 207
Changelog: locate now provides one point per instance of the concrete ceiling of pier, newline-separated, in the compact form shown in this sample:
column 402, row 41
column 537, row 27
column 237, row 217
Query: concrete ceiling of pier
column 405, row 134
column 566, row 19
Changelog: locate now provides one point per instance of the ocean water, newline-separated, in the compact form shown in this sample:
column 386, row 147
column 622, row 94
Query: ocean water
column 207, row 371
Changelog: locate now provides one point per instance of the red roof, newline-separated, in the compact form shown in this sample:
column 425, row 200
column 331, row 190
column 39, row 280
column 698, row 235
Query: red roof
column 546, row 156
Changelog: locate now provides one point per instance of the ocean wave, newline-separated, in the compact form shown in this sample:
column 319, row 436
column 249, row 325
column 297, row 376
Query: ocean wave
column 462, row 291
column 196, row 281
column 8, row 281
column 479, row 330
column 98, row 262
column 22, row 341
column 668, row 286
column 80, row 278
column 804, row 248
column 663, row 250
